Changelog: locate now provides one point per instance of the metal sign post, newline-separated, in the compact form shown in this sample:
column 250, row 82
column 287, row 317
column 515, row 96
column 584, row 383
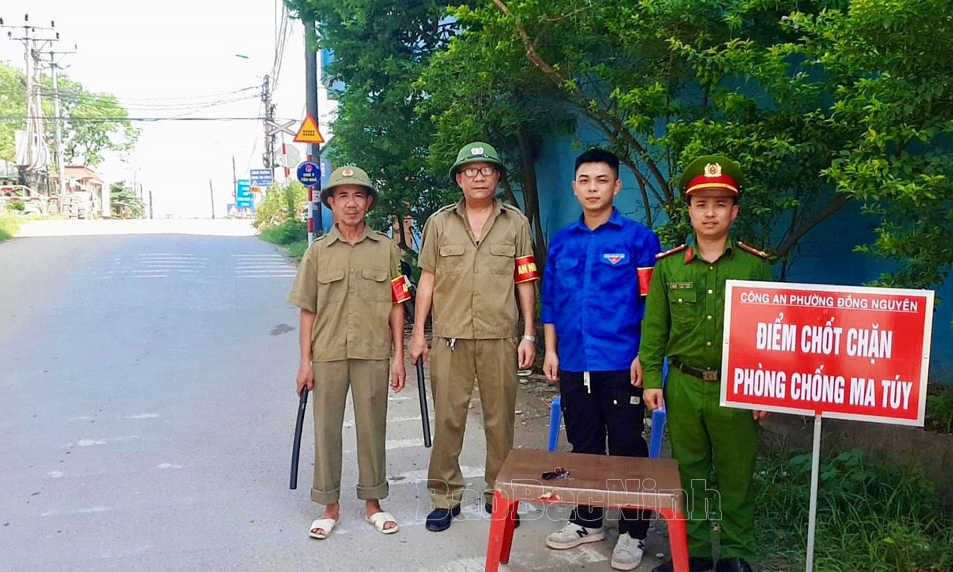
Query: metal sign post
column 812, row 517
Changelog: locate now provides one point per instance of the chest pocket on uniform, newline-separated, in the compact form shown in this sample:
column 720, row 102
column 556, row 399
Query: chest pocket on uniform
column 451, row 258
column 502, row 258
column 331, row 285
column 373, row 286
column 682, row 301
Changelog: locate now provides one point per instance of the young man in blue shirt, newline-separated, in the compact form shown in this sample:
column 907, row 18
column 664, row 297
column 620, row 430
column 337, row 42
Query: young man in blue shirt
column 594, row 292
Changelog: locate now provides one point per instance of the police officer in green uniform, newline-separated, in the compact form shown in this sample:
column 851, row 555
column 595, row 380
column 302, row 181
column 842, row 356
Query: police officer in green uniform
column 350, row 292
column 684, row 321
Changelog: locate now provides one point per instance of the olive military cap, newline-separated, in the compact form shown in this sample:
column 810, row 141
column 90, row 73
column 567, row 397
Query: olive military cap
column 349, row 176
column 711, row 172
column 476, row 152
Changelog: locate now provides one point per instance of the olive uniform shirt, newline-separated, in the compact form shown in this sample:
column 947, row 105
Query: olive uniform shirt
column 474, row 286
column 348, row 287
column 685, row 310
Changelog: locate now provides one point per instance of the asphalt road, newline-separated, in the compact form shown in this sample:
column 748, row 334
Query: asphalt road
column 147, row 409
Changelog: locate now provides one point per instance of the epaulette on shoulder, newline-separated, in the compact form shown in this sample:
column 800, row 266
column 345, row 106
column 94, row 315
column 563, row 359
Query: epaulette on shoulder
column 512, row 208
column 661, row 255
column 444, row 209
column 753, row 250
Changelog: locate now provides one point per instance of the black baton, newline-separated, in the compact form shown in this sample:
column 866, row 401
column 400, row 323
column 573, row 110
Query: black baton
column 296, row 450
column 422, row 391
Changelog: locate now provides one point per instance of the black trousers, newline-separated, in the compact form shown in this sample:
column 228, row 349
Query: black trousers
column 608, row 410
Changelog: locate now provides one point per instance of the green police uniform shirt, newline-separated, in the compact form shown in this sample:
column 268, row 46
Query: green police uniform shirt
column 685, row 310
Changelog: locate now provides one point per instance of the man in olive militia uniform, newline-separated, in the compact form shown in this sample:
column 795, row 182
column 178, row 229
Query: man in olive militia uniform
column 351, row 293
column 684, row 320
column 476, row 259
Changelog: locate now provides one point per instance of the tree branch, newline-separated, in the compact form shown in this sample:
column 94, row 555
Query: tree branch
column 792, row 239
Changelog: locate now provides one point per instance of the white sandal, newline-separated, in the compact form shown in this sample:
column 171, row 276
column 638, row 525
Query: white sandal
column 379, row 519
column 324, row 524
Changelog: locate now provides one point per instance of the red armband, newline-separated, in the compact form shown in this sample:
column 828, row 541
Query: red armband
column 400, row 289
column 526, row 269
column 645, row 278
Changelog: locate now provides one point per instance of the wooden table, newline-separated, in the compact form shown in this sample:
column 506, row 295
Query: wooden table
column 594, row 480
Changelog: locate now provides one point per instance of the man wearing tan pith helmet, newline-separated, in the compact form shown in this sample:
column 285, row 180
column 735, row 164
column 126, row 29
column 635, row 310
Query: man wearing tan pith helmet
column 478, row 273
column 351, row 293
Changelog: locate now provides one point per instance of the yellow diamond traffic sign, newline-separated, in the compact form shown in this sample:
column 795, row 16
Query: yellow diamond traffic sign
column 309, row 132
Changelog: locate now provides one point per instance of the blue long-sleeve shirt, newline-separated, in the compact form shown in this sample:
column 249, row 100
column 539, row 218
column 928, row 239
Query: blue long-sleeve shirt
column 591, row 292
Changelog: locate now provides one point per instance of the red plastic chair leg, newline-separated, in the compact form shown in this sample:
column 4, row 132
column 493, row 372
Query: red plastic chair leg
column 501, row 532
column 678, row 539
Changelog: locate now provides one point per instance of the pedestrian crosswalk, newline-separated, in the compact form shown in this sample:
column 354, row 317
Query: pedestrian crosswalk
column 185, row 265
column 262, row 266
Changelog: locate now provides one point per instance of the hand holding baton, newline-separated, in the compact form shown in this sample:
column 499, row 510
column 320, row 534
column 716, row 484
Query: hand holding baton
column 296, row 450
column 422, row 393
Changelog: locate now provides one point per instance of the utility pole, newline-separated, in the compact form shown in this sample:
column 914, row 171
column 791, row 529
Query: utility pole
column 234, row 181
column 315, row 224
column 150, row 204
column 211, row 194
column 268, row 158
column 57, row 123
column 33, row 43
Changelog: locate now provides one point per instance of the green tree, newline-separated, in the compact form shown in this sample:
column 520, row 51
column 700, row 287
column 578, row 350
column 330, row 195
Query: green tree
column 95, row 123
column 471, row 95
column 123, row 198
column 379, row 49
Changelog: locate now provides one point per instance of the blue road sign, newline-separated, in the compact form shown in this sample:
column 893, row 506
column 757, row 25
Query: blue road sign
column 243, row 189
column 309, row 174
column 262, row 177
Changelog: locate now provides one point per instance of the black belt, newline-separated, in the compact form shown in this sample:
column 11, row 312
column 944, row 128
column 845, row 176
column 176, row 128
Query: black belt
column 704, row 375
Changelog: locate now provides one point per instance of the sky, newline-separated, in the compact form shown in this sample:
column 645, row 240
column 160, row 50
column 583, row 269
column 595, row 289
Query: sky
column 160, row 56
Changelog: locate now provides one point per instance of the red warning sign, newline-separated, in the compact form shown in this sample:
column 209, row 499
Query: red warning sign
column 838, row 351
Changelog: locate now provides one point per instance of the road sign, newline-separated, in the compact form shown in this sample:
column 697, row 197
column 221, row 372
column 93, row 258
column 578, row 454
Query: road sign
column 243, row 196
column 309, row 132
column 275, row 127
column 844, row 351
column 309, row 174
column 243, row 189
column 255, row 190
column 262, row 177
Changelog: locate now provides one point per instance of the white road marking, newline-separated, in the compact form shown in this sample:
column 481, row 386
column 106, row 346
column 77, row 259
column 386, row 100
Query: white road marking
column 164, row 466
column 55, row 474
column 90, row 510
column 143, row 416
column 91, row 442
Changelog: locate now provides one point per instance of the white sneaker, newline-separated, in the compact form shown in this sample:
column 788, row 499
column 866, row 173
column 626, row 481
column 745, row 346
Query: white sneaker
column 627, row 554
column 573, row 535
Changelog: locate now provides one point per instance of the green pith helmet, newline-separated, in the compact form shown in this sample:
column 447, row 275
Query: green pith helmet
column 476, row 152
column 711, row 172
column 349, row 176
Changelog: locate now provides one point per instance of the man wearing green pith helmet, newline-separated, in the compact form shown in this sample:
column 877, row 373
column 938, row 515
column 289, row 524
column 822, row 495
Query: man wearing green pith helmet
column 478, row 272
column 684, row 321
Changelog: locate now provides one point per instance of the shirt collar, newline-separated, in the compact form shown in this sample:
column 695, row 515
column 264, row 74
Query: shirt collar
column 335, row 235
column 461, row 207
column 615, row 219
column 691, row 253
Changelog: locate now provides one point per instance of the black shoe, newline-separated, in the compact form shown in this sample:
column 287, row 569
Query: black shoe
column 695, row 564
column 733, row 565
column 439, row 519
column 488, row 507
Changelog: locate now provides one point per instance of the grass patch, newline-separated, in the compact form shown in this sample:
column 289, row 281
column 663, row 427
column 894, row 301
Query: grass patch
column 296, row 249
column 292, row 234
column 286, row 233
column 9, row 225
column 871, row 517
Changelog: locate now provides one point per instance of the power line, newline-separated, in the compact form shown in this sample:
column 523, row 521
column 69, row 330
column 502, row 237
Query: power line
column 146, row 119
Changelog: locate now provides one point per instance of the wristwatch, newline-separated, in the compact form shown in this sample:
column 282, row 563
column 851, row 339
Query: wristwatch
column 529, row 338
